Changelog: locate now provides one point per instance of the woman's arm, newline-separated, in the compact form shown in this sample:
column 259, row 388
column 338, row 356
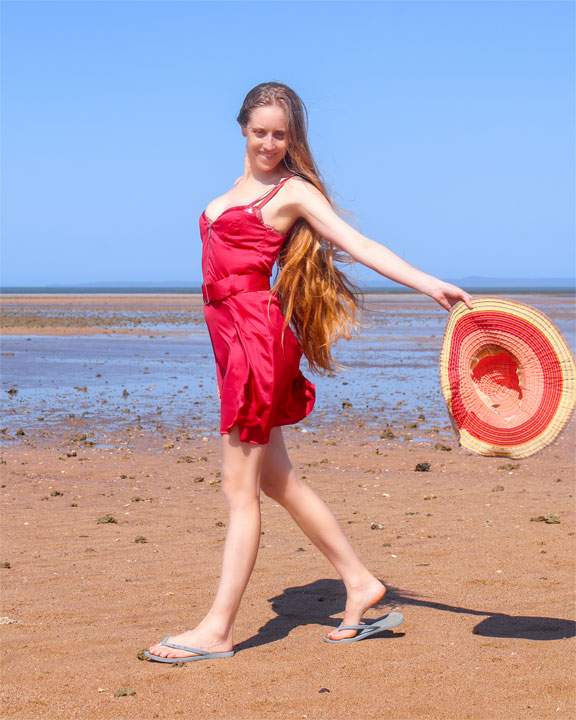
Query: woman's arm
column 307, row 202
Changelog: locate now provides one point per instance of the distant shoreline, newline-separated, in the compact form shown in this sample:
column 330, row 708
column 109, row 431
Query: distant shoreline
column 196, row 290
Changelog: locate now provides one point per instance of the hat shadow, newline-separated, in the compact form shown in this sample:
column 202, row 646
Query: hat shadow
column 503, row 625
column 314, row 603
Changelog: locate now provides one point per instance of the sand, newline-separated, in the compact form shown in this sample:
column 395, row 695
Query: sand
column 477, row 553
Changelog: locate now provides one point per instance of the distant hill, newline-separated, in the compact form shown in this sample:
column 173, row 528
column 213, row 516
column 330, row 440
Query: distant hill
column 478, row 283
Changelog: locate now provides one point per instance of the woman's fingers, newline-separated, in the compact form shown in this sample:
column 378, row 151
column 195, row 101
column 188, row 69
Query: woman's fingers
column 469, row 302
column 463, row 296
column 449, row 295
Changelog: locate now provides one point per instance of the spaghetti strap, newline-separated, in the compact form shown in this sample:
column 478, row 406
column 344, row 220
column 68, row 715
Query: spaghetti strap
column 269, row 194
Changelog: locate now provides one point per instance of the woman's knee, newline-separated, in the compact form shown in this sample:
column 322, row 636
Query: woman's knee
column 238, row 489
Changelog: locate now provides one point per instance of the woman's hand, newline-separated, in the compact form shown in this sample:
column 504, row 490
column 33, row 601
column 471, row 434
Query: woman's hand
column 447, row 295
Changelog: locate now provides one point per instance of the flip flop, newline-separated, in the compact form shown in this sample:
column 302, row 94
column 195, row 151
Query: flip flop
column 384, row 623
column 201, row 654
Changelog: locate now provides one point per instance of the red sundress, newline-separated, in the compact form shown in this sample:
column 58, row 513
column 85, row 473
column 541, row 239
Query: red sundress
column 260, row 383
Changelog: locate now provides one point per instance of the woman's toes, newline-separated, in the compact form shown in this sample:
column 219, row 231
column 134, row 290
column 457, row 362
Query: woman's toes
column 341, row 634
column 166, row 652
column 160, row 650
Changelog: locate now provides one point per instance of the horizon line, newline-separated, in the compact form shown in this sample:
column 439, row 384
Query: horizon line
column 568, row 280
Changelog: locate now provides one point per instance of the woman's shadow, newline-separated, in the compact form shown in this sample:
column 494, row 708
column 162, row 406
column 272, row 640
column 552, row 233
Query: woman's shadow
column 313, row 604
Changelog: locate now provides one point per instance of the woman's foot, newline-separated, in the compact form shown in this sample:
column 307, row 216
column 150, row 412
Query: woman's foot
column 359, row 599
column 200, row 638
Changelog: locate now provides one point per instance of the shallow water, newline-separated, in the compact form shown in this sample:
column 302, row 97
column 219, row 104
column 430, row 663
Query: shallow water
column 153, row 381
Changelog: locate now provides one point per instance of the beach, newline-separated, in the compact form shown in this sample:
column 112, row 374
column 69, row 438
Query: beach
column 114, row 522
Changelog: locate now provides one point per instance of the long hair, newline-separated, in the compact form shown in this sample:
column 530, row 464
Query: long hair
column 316, row 297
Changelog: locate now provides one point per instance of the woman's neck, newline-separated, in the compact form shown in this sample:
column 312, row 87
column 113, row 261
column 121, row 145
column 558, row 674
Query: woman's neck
column 271, row 177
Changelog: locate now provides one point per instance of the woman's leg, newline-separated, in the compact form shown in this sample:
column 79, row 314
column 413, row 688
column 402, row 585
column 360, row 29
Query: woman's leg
column 279, row 481
column 241, row 465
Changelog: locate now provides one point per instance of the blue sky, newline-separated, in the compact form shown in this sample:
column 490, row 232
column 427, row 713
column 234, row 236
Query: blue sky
column 446, row 128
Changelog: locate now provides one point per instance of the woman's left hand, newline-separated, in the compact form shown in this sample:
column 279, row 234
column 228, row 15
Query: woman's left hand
column 448, row 295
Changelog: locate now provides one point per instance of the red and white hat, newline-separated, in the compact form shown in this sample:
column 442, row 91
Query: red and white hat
column 508, row 377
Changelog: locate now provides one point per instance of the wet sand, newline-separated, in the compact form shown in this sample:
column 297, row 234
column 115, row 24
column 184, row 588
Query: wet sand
column 478, row 554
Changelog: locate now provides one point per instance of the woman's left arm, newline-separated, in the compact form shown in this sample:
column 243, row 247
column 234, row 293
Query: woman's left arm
column 310, row 204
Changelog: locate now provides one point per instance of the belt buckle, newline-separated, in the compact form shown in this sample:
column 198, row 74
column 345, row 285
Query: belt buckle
column 205, row 297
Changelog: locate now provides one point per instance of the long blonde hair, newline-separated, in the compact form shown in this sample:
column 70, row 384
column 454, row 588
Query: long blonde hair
column 317, row 299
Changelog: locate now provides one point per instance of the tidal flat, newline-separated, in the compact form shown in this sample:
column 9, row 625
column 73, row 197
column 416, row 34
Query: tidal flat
column 141, row 363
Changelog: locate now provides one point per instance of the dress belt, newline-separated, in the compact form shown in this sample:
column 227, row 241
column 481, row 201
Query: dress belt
column 232, row 285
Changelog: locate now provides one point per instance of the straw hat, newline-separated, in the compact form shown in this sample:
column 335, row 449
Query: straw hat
column 508, row 377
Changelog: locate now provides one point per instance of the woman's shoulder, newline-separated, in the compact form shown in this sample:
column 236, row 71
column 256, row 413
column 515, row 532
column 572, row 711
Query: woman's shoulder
column 298, row 179
column 301, row 184
column 301, row 189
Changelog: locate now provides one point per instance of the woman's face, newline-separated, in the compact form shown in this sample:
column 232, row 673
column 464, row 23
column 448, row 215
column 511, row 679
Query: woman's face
column 266, row 137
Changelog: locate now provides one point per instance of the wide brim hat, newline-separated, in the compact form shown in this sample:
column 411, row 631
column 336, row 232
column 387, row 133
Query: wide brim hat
column 508, row 377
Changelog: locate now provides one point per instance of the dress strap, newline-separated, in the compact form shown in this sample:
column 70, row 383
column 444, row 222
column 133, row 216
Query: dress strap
column 263, row 199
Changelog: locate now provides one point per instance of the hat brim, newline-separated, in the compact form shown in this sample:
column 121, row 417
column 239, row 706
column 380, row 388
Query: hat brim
column 508, row 377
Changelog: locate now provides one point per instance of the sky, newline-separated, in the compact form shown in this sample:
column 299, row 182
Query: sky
column 446, row 129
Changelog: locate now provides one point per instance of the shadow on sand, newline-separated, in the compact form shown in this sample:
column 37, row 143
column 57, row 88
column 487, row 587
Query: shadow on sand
column 313, row 604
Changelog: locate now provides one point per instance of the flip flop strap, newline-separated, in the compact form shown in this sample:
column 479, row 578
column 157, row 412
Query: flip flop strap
column 353, row 627
column 184, row 647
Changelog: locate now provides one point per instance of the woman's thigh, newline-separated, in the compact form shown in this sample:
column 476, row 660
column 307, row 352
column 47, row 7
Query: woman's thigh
column 277, row 470
column 241, row 466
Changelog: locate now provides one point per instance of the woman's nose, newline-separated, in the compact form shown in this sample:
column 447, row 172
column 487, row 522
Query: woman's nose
column 269, row 143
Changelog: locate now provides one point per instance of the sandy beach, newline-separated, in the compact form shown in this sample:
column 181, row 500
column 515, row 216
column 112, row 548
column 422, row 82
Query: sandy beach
column 114, row 521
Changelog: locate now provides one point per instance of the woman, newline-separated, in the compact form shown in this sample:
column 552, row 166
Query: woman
column 278, row 210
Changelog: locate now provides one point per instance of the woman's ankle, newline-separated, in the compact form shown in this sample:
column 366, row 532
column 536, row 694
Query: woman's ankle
column 361, row 582
column 217, row 626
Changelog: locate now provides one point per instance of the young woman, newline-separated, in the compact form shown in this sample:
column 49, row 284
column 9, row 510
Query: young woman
column 279, row 211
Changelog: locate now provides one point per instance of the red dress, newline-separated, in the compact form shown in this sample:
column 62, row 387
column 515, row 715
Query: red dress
column 259, row 379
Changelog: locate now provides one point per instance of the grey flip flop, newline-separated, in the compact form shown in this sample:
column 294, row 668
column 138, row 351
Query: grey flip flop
column 384, row 623
column 201, row 654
